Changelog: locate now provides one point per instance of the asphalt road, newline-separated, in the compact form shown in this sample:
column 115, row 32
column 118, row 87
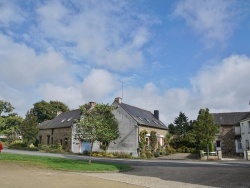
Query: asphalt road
column 216, row 174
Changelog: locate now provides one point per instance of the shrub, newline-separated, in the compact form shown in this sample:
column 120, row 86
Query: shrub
column 156, row 154
column 17, row 145
column 57, row 148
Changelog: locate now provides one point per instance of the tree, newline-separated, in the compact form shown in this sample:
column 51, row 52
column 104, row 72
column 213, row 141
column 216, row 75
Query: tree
column 9, row 123
column 48, row 110
column 29, row 128
column 205, row 128
column 98, row 124
column 181, row 124
column 5, row 107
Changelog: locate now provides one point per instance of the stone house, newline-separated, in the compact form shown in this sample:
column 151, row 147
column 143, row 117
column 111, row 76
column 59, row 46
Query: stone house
column 228, row 139
column 131, row 120
column 59, row 130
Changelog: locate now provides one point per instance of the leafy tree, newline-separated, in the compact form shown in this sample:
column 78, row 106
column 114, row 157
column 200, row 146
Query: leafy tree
column 48, row 110
column 171, row 128
column 97, row 124
column 29, row 128
column 205, row 128
column 181, row 124
column 9, row 123
column 5, row 107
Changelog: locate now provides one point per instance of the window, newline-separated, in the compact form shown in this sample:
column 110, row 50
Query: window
column 52, row 141
column 66, row 141
column 239, row 144
column 147, row 120
column 147, row 141
column 48, row 139
column 63, row 120
column 52, row 131
column 69, row 119
column 40, row 139
column 218, row 143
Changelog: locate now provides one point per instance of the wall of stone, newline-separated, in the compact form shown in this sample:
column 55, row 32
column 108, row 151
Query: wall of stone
column 227, row 137
column 56, row 136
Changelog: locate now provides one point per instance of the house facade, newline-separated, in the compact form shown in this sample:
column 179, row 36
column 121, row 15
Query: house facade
column 229, row 137
column 245, row 134
column 131, row 120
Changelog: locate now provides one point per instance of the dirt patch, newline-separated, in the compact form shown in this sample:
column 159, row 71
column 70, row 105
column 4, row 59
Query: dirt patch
column 23, row 176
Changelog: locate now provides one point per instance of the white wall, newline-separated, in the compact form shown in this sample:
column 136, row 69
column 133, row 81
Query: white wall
column 245, row 133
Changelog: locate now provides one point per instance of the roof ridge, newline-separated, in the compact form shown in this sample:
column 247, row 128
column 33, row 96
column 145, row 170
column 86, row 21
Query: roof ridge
column 136, row 107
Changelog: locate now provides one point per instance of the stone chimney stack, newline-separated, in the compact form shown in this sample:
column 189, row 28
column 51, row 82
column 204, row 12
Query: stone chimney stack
column 91, row 104
column 118, row 99
column 156, row 114
column 58, row 113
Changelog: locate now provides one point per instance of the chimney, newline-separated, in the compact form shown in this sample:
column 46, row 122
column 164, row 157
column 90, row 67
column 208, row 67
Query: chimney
column 58, row 113
column 91, row 104
column 156, row 114
column 118, row 99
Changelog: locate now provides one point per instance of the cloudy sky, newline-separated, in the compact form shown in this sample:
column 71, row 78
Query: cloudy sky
column 168, row 55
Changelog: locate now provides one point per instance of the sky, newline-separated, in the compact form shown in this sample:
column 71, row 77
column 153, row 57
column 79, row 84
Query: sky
column 173, row 56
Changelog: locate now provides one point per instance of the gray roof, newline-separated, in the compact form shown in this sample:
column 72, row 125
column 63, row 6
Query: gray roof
column 143, row 117
column 230, row 118
column 63, row 120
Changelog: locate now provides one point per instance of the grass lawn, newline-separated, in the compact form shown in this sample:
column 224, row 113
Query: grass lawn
column 62, row 163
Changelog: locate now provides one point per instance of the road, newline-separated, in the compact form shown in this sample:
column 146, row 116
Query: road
column 187, row 173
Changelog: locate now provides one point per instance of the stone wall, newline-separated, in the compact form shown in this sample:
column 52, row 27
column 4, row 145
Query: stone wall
column 56, row 136
column 227, row 137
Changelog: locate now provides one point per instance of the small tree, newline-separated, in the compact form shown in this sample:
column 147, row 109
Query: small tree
column 97, row 124
column 205, row 128
column 153, row 140
column 29, row 128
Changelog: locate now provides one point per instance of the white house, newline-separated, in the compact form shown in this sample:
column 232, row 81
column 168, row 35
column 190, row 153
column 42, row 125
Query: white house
column 245, row 134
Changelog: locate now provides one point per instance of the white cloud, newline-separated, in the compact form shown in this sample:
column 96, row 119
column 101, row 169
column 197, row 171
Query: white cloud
column 226, row 84
column 96, row 32
column 98, row 85
column 22, row 66
column 70, row 95
column 213, row 19
column 222, row 87
column 9, row 13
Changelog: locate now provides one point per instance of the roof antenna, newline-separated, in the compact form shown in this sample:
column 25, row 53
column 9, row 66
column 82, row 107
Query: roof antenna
column 122, row 89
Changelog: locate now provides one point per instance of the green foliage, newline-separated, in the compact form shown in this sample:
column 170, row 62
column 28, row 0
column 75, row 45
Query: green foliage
column 142, row 139
column 153, row 140
column 29, row 128
column 48, row 110
column 5, row 107
column 56, row 148
column 205, row 128
column 21, row 146
column 98, row 124
column 9, row 125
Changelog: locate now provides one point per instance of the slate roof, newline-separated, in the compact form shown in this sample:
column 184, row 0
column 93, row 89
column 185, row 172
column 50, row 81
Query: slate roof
column 143, row 117
column 63, row 120
column 230, row 118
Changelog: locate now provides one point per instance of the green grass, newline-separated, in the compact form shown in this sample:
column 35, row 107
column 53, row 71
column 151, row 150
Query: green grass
column 62, row 163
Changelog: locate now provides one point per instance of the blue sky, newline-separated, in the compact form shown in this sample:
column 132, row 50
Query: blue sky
column 170, row 55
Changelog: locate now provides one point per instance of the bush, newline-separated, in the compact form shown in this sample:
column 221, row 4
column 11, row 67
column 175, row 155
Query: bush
column 56, row 148
column 156, row 154
column 17, row 145
column 170, row 150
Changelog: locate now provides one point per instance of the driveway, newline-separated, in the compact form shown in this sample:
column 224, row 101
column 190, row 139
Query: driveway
column 172, row 173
